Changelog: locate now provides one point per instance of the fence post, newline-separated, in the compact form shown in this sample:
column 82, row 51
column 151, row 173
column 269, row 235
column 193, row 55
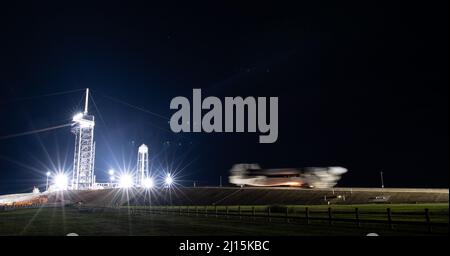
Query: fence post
column 389, row 215
column 239, row 212
column 253, row 213
column 268, row 213
column 330, row 217
column 307, row 215
column 215, row 210
column 357, row 217
column 206, row 210
column 226, row 211
column 287, row 214
column 196, row 210
column 428, row 220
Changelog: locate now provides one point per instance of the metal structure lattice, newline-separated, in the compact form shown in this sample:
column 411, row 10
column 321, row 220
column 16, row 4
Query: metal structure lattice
column 84, row 153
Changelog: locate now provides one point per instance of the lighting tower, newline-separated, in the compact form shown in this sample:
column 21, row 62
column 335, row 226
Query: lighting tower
column 84, row 153
column 142, row 164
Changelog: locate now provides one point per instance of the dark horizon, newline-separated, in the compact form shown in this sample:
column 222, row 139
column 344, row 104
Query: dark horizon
column 360, row 85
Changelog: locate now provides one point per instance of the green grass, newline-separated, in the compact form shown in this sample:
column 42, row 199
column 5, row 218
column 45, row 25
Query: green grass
column 60, row 221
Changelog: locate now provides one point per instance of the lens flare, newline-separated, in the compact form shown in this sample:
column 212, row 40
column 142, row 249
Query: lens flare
column 168, row 180
column 61, row 181
column 148, row 183
column 126, row 181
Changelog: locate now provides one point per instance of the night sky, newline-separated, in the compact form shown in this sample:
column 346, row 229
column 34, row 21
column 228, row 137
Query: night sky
column 360, row 85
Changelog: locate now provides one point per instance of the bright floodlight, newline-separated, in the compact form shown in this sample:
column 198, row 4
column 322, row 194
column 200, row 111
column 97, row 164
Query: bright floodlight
column 61, row 181
column 48, row 174
column 125, row 181
column 168, row 180
column 77, row 117
column 148, row 183
column 111, row 172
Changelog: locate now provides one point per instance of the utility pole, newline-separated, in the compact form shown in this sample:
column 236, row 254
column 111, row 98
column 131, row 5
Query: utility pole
column 220, row 183
column 46, row 186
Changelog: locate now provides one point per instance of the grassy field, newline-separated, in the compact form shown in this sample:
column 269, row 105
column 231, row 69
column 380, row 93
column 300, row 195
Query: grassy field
column 61, row 221
column 439, row 212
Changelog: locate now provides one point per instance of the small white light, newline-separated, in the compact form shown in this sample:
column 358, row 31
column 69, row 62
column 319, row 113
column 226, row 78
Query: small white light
column 61, row 181
column 168, row 180
column 125, row 181
column 48, row 174
column 77, row 117
column 111, row 172
column 148, row 183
